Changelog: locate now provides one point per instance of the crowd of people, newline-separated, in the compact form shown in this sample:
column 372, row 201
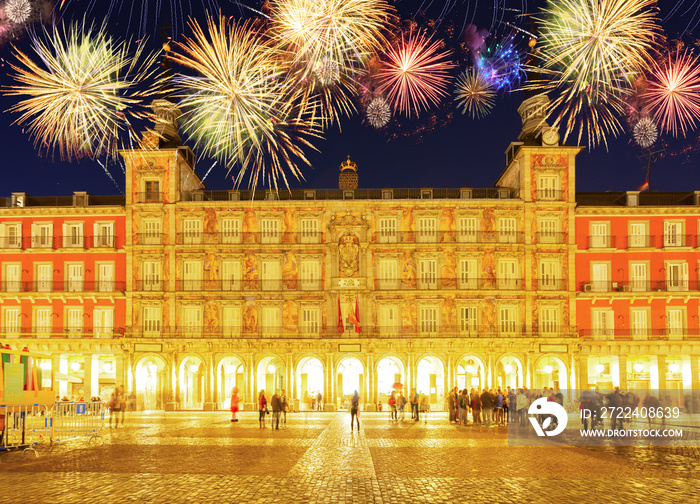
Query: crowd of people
column 397, row 405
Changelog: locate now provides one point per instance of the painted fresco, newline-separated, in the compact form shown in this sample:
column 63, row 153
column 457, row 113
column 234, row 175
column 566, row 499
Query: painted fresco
column 289, row 227
column 488, row 269
column 211, row 267
column 250, row 272
column 408, row 225
column 289, row 271
column 210, row 226
column 447, row 224
column 290, row 317
column 211, row 317
column 448, row 271
column 488, row 315
column 408, row 315
column 250, row 318
column 408, row 270
column 448, row 318
column 250, row 226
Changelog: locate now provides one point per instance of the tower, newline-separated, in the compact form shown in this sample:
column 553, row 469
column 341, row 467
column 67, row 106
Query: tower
column 348, row 178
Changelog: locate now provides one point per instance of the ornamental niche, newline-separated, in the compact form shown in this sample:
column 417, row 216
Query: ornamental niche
column 349, row 252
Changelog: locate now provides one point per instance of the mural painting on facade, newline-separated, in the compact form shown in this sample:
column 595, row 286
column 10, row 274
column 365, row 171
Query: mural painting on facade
column 250, row 317
column 211, row 267
column 407, row 224
column 488, row 269
column 250, row 226
column 210, row 235
column 289, row 227
column 449, row 314
column 488, row 315
column 289, row 271
column 349, row 254
column 250, row 272
column 408, row 270
column 488, row 221
column 211, row 317
column 408, row 315
column 290, row 317
column 447, row 225
column 448, row 271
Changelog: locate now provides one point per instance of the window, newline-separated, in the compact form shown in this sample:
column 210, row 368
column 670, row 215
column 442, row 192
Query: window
column 673, row 234
column 192, row 275
column 152, row 318
column 427, row 229
column 43, row 323
column 599, row 235
column 507, row 319
column 676, row 276
column 603, row 322
column 43, row 277
column 468, row 229
column 389, row 322
column 103, row 322
column 231, row 231
column 429, row 320
column 105, row 277
column 549, row 273
column 639, row 322
column 468, row 322
column 270, row 231
column 230, row 275
column 151, row 274
column 104, row 234
column 42, row 235
column 639, row 279
column 74, row 277
column 507, row 274
column 151, row 232
column 600, row 276
column 231, row 321
column 507, row 227
column 152, row 191
column 271, row 275
column 12, row 277
column 11, row 321
column 74, row 321
column 192, row 321
column 388, row 230
column 309, row 231
column 468, row 277
column 548, row 187
column 549, row 320
column 388, row 274
column 638, row 235
column 192, row 231
column 427, row 274
column 675, row 321
column 271, row 321
column 310, row 321
column 549, row 231
column 73, row 236
column 10, row 235
column 310, row 278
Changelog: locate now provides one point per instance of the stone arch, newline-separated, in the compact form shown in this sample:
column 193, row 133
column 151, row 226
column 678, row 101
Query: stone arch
column 471, row 371
column 230, row 372
column 192, row 377
column 431, row 373
column 389, row 369
column 509, row 372
column 269, row 375
column 310, row 375
column 350, row 375
column 151, row 375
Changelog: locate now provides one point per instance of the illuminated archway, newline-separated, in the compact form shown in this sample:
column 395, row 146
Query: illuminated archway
column 471, row 373
column 550, row 372
column 350, row 377
column 230, row 373
column 390, row 371
column 151, row 382
column 509, row 372
column 269, row 376
column 430, row 381
column 309, row 380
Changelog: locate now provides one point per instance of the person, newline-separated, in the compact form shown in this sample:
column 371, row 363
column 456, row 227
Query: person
column 379, row 406
column 262, row 408
column 402, row 405
column 285, row 404
column 319, row 397
column 355, row 411
column 486, row 407
column 476, row 407
column 498, row 408
column 313, row 403
column 276, row 410
column 132, row 401
column 234, row 404
column 512, row 404
column 451, row 405
column 392, row 406
column 415, row 401
column 113, row 408
column 463, row 406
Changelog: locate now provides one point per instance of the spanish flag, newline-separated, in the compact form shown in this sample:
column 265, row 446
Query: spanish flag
column 341, row 327
column 644, row 186
column 355, row 318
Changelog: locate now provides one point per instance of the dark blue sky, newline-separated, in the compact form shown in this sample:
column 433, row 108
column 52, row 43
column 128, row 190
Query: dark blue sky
column 464, row 152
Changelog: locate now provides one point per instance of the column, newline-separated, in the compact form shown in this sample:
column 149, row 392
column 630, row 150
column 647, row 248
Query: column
column 330, row 380
column 91, row 376
column 119, row 369
column 59, row 364
column 371, row 397
column 130, row 385
column 529, row 370
column 583, row 372
column 490, row 372
column 209, row 404
column 289, row 382
column 661, row 363
column 450, row 374
column 622, row 370
column 250, row 388
column 694, row 389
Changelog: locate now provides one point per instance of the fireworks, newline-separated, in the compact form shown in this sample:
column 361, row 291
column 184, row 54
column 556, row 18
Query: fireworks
column 415, row 73
column 378, row 112
column 80, row 92
column 240, row 108
column 18, row 11
column 645, row 132
column 500, row 64
column 673, row 92
column 592, row 52
column 327, row 72
column 474, row 94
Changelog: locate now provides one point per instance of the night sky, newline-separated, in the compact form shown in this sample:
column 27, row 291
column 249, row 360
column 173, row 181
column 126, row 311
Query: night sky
column 463, row 152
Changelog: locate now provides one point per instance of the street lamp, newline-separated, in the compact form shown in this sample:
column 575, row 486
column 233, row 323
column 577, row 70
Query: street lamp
column 638, row 367
column 107, row 367
column 599, row 368
column 75, row 366
column 674, row 368
column 271, row 369
column 548, row 369
column 194, row 368
column 508, row 368
column 470, row 367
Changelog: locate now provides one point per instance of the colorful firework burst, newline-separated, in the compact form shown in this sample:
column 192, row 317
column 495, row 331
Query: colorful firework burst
column 18, row 11
column 474, row 93
column 501, row 64
column 240, row 108
column 81, row 91
column 673, row 92
column 592, row 52
column 645, row 133
column 415, row 73
column 378, row 112
column 327, row 71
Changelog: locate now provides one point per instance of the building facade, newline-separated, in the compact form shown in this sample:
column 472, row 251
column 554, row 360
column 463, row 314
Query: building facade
column 331, row 291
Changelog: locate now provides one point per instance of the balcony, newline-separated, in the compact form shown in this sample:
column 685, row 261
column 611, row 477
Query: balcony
column 48, row 286
column 58, row 242
column 641, row 241
column 231, row 238
column 551, row 237
column 149, row 239
column 61, row 332
column 149, row 197
column 149, row 285
column 449, row 283
column 639, row 334
column 602, row 241
column 549, row 194
column 677, row 240
column 551, row 284
column 640, row 286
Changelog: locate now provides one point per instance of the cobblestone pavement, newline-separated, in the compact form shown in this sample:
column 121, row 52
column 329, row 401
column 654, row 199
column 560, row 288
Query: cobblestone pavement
column 203, row 457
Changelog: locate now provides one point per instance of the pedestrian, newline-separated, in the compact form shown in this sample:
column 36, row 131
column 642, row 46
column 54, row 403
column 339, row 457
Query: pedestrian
column 319, row 398
column 451, row 405
column 415, row 402
column 262, row 408
column 402, row 406
column 512, row 404
column 234, row 404
column 276, row 411
column 392, row 406
column 476, row 407
column 498, row 408
column 463, row 406
column 355, row 411
column 285, row 404
column 486, row 407
column 113, row 408
column 121, row 399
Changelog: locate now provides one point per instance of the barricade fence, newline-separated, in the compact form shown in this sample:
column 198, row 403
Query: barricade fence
column 76, row 420
column 22, row 427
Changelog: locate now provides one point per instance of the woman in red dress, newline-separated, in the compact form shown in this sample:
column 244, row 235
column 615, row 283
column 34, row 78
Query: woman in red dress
column 234, row 404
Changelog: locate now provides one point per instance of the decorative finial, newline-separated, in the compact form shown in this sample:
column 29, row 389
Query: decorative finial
column 348, row 178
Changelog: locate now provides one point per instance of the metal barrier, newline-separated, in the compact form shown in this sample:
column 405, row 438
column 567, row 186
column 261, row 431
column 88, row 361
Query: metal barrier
column 23, row 427
column 75, row 420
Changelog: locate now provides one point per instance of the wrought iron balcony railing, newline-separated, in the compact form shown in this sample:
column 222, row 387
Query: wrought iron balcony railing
column 551, row 238
column 63, row 286
column 59, row 241
column 149, row 197
column 61, row 332
column 674, row 285
column 639, row 334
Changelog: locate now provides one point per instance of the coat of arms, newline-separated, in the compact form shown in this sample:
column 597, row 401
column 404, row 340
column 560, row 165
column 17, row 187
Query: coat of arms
column 349, row 250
